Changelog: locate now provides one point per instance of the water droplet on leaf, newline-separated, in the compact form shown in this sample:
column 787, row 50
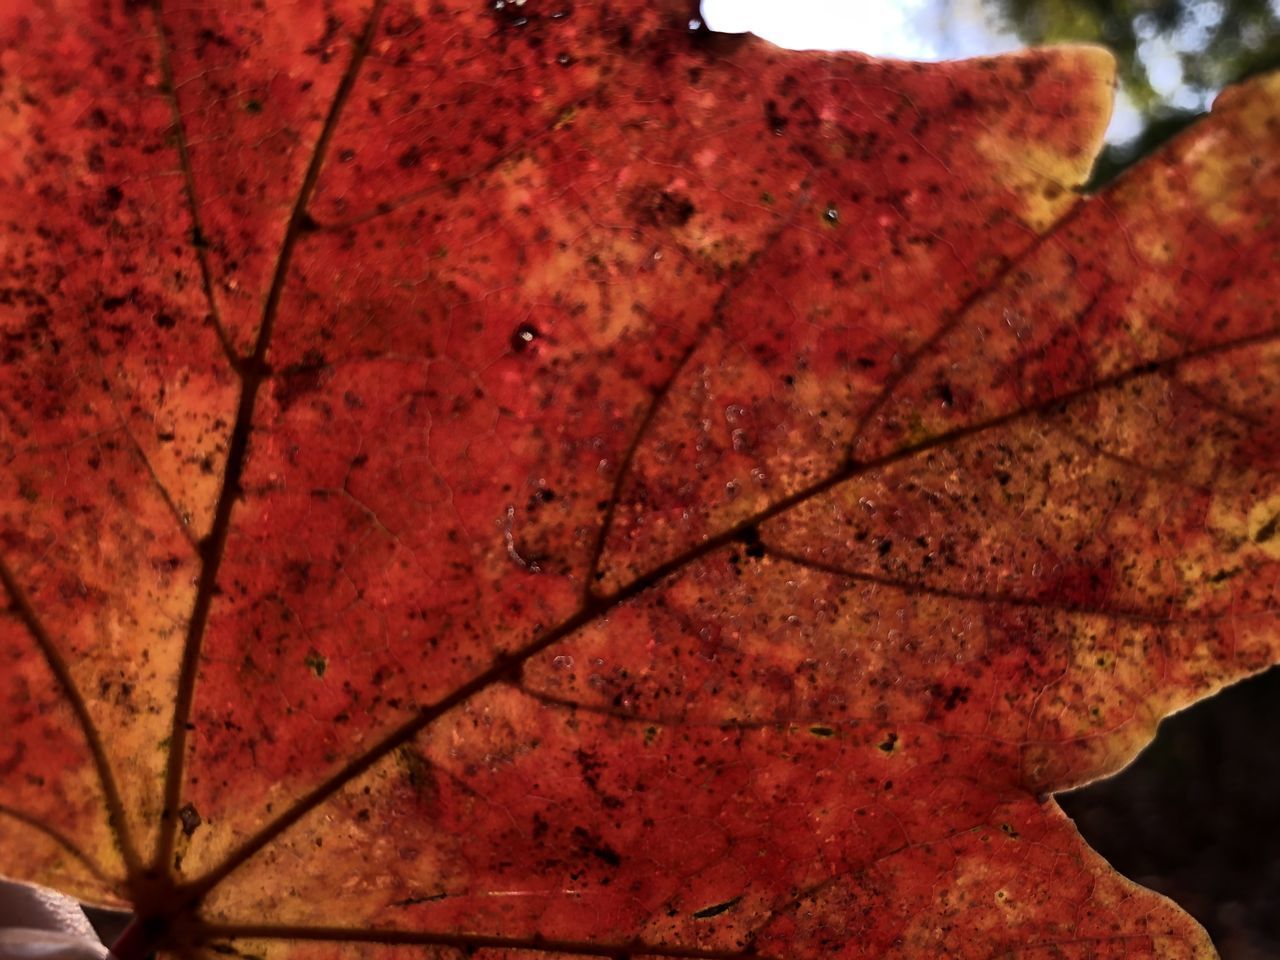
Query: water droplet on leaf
column 524, row 335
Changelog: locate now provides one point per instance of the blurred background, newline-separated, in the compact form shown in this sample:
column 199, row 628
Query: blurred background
column 1197, row 815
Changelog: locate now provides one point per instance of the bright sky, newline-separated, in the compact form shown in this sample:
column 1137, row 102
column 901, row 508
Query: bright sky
column 910, row 29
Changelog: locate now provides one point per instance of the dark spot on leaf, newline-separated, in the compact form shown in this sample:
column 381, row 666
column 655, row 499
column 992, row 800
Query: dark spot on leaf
column 413, row 901
column 410, row 157
column 592, row 844
column 1267, row 530
column 663, row 208
column 316, row 662
column 540, row 497
column 294, row 383
column 773, row 118
column 715, row 911
column 948, row 698
column 190, row 819
column 608, row 854
column 750, row 537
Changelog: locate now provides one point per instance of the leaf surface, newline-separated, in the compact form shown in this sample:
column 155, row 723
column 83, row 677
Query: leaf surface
column 539, row 478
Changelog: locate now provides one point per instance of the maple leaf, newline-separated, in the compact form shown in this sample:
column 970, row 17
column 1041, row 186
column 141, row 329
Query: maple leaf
column 536, row 478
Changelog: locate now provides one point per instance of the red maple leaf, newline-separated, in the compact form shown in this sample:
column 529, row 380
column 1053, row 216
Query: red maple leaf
column 536, row 478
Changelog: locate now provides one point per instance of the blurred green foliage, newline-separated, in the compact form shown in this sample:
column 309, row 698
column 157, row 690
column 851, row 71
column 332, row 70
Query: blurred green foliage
column 1173, row 54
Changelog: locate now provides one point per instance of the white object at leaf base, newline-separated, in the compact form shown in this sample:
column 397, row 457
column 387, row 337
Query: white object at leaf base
column 41, row 924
